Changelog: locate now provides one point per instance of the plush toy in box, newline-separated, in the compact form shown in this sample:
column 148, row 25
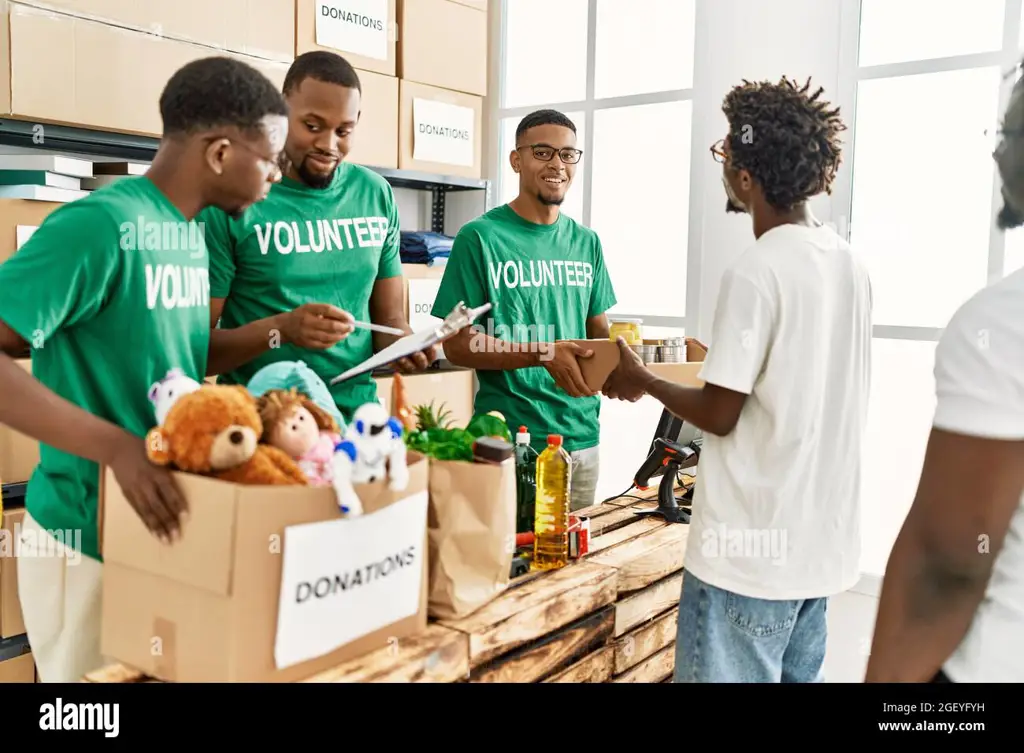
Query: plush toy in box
column 283, row 428
column 215, row 430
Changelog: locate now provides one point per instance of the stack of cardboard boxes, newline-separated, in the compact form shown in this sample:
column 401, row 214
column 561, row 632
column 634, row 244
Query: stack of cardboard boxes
column 102, row 63
column 423, row 68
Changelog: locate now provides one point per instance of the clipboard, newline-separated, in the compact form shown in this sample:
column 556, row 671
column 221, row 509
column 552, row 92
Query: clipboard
column 460, row 318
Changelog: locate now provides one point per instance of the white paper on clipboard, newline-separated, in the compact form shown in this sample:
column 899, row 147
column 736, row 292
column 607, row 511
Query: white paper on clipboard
column 417, row 341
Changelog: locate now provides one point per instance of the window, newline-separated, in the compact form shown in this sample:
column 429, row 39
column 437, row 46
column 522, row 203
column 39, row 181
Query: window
column 900, row 31
column 544, row 52
column 928, row 229
column 636, row 200
column 623, row 72
column 636, row 56
column 920, row 199
column 899, row 419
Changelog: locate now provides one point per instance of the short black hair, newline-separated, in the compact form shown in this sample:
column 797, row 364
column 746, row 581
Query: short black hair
column 786, row 138
column 321, row 65
column 543, row 117
column 215, row 92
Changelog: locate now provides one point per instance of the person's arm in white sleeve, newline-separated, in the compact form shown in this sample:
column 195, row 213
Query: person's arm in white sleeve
column 970, row 486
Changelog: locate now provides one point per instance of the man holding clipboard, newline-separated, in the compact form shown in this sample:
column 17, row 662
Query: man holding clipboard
column 324, row 242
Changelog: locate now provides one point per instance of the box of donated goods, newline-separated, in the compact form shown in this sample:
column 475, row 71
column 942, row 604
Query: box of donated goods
column 265, row 583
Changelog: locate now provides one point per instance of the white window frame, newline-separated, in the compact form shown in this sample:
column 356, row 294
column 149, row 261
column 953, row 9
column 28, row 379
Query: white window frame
column 689, row 321
column 851, row 73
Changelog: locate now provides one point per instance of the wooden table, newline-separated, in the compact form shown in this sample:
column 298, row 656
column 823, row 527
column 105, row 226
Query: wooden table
column 610, row 617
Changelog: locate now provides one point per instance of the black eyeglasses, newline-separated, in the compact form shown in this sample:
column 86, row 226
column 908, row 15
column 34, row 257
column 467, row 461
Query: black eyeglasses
column 546, row 152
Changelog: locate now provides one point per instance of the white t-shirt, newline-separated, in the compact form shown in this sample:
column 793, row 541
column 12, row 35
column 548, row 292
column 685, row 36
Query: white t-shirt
column 979, row 383
column 776, row 513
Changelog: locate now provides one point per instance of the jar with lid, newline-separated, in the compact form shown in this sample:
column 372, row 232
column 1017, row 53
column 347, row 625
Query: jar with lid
column 626, row 328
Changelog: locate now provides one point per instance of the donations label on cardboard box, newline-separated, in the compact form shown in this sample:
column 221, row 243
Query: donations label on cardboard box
column 359, row 27
column 344, row 579
column 442, row 132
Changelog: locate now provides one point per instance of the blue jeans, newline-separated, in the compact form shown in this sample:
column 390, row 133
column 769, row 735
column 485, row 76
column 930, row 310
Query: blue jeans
column 725, row 637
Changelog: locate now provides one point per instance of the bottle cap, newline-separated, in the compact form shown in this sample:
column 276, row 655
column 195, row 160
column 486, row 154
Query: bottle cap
column 555, row 439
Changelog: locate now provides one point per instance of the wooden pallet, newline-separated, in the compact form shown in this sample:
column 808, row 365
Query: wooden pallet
column 610, row 617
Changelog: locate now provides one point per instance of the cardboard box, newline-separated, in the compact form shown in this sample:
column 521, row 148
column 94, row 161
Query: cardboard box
column 384, row 386
column 72, row 71
column 228, row 597
column 16, row 662
column 453, row 389
column 261, row 28
column 18, row 218
column 11, row 621
column 424, row 290
column 439, row 131
column 599, row 366
column 363, row 33
column 375, row 139
column 443, row 43
column 684, row 373
column 19, row 454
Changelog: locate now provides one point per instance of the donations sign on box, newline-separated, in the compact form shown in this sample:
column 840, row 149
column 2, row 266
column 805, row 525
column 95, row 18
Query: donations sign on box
column 344, row 579
column 359, row 27
column 442, row 132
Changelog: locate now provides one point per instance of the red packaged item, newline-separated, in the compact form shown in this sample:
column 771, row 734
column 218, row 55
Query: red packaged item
column 579, row 536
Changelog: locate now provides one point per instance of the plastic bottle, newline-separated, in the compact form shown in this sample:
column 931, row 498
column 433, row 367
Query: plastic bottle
column 551, row 519
column 526, row 481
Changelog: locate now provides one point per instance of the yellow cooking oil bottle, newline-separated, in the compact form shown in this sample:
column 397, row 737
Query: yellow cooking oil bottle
column 551, row 510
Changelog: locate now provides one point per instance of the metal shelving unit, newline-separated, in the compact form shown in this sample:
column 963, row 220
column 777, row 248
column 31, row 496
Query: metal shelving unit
column 57, row 138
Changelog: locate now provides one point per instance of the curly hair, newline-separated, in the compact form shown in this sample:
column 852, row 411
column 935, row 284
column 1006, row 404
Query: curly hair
column 277, row 405
column 786, row 138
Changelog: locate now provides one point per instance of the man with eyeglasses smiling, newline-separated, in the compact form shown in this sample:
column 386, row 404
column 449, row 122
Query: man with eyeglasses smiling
column 545, row 276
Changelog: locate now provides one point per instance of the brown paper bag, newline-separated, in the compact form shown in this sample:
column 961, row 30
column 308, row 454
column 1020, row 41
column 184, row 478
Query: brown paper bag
column 471, row 527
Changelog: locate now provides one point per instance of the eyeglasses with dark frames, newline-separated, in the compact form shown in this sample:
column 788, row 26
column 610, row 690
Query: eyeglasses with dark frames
column 546, row 153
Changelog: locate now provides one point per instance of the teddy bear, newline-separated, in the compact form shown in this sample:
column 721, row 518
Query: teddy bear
column 294, row 423
column 215, row 431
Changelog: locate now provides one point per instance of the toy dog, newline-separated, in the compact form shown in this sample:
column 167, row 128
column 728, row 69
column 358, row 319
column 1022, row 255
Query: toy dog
column 372, row 449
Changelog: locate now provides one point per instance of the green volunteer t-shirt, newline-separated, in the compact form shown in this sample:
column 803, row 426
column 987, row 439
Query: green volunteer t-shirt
column 111, row 292
column 544, row 282
column 306, row 245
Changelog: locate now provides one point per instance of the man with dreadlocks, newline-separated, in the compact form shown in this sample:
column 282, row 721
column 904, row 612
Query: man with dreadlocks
column 776, row 519
column 952, row 604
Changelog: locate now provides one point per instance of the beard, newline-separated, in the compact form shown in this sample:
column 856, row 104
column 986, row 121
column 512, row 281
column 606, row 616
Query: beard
column 550, row 201
column 315, row 180
column 733, row 208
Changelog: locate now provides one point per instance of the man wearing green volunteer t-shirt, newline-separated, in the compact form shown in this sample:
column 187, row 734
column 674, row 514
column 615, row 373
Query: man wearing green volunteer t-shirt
column 545, row 277
column 108, row 295
column 327, row 235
